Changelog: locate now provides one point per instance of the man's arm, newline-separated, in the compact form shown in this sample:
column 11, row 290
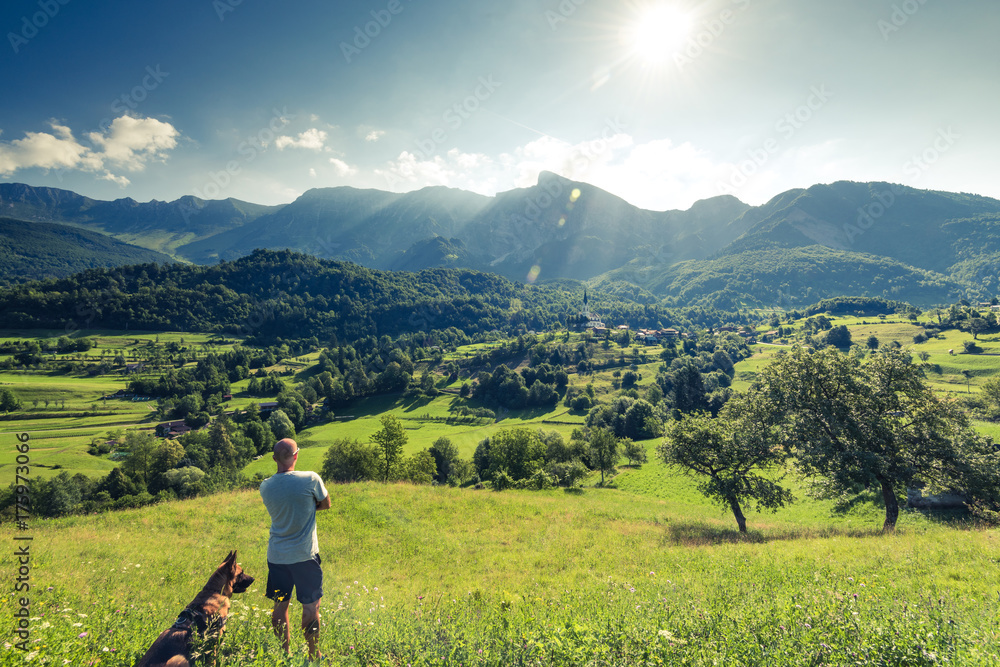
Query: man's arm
column 323, row 504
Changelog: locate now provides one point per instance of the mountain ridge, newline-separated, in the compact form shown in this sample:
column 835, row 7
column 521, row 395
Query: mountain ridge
column 560, row 228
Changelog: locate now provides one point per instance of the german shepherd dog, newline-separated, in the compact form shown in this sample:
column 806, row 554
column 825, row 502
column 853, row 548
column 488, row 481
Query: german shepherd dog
column 206, row 616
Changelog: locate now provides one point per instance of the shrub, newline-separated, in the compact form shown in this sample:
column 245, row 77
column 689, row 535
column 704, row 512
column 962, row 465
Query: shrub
column 567, row 473
column 349, row 461
column 539, row 481
column 502, row 481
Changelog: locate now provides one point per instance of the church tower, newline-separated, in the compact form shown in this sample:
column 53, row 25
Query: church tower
column 585, row 313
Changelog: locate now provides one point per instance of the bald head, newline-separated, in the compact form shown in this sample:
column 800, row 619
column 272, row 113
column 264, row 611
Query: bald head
column 284, row 451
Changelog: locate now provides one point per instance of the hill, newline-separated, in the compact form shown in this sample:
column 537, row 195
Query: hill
column 290, row 295
column 38, row 250
column 568, row 229
column 874, row 239
column 156, row 225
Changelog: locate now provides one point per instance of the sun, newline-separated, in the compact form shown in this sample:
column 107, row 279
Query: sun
column 658, row 33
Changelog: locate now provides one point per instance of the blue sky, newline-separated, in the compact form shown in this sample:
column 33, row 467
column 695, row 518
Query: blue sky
column 662, row 103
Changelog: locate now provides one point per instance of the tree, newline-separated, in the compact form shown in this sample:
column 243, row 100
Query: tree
column 221, row 446
column 641, row 421
column 281, row 426
column 737, row 452
column 634, row 451
column 517, row 451
column 967, row 374
column 420, row 468
column 445, row 454
column 117, row 484
column 688, row 390
column 603, row 450
column 141, row 448
column 990, row 391
column 872, row 342
column 389, row 441
column 183, row 481
column 839, row 336
column 8, row 401
column 873, row 425
column 977, row 325
column 350, row 461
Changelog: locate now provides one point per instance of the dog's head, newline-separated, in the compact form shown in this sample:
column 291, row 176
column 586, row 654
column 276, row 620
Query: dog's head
column 236, row 580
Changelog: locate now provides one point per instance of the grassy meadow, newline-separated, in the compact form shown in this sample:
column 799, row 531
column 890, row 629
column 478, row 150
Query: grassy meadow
column 644, row 572
column 441, row 576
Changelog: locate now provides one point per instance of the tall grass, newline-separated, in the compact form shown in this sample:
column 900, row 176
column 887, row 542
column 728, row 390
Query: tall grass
column 439, row 576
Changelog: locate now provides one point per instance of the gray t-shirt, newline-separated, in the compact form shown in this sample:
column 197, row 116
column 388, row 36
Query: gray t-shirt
column 290, row 499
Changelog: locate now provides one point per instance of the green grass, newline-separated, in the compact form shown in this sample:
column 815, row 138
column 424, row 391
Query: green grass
column 423, row 575
column 645, row 572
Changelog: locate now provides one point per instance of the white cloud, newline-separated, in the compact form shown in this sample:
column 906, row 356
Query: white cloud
column 657, row 175
column 121, row 181
column 343, row 169
column 374, row 135
column 312, row 172
column 470, row 171
column 312, row 139
column 129, row 142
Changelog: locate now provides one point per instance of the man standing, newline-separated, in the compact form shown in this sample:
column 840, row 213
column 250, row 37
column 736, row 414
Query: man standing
column 292, row 499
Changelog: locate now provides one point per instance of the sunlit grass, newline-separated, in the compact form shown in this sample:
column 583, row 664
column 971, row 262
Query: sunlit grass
column 422, row 575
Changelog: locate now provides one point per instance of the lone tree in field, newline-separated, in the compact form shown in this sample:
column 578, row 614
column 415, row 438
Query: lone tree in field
column 603, row 450
column 875, row 425
column 389, row 440
column 9, row 402
column 737, row 454
column 634, row 451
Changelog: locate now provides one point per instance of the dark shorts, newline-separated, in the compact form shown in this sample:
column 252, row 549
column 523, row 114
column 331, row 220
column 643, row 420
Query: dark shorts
column 306, row 577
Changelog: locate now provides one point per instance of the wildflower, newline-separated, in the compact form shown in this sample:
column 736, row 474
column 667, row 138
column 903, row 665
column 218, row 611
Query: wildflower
column 82, row 635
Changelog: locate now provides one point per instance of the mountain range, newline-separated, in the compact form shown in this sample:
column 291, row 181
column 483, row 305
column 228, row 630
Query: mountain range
column 865, row 239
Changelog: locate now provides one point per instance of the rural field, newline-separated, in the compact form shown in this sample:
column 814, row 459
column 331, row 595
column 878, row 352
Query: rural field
column 643, row 574
column 644, row 571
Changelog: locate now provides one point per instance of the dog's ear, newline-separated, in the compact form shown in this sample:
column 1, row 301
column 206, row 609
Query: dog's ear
column 230, row 560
